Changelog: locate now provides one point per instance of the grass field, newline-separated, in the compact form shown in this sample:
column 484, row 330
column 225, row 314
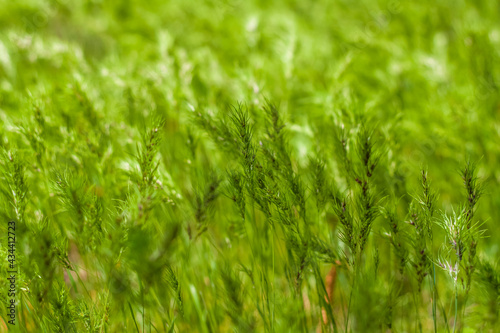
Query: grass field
column 249, row 166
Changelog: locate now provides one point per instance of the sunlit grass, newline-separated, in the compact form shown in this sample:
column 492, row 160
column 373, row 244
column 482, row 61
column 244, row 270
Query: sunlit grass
column 250, row 166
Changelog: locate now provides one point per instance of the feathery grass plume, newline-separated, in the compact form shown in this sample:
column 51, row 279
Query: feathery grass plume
column 376, row 261
column 461, row 231
column 233, row 293
column 398, row 237
column 280, row 169
column 300, row 254
column 71, row 192
column 235, row 191
column 242, row 133
column 35, row 132
column 367, row 150
column 16, row 183
column 461, row 239
column 366, row 201
column 427, row 201
column 295, row 204
column 290, row 205
column 297, row 188
column 363, row 198
column 63, row 315
column 218, row 130
column 277, row 143
column 325, row 292
column 171, row 279
column 147, row 154
column 366, row 206
column 457, row 233
column 474, row 189
column 324, row 252
column 319, row 183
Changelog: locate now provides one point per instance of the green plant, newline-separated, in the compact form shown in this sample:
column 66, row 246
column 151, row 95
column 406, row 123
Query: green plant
column 250, row 166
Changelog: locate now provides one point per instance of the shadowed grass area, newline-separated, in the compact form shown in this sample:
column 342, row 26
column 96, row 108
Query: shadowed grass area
column 250, row 166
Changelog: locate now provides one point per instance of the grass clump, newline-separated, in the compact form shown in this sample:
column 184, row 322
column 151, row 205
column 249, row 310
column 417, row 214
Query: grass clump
column 241, row 166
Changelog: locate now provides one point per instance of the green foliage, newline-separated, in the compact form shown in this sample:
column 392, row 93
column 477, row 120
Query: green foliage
column 250, row 166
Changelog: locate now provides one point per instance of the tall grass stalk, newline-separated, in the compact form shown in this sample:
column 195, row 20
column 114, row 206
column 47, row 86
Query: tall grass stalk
column 248, row 166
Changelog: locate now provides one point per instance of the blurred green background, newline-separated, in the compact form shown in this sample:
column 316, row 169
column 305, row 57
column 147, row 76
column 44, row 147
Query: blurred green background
column 81, row 80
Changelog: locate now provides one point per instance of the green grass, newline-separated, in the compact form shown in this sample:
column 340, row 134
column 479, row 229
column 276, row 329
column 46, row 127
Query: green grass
column 251, row 166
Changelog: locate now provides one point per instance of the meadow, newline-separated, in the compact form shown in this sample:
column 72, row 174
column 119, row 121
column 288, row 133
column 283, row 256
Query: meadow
column 249, row 166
